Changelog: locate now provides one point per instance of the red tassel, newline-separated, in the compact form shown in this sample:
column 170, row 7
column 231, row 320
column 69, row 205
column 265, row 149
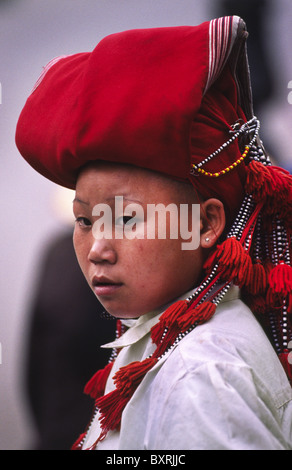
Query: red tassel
column 96, row 385
column 258, row 180
column 234, row 264
column 201, row 314
column 271, row 184
column 244, row 274
column 286, row 361
column 173, row 312
column 258, row 280
column 280, row 279
column 231, row 259
column 230, row 251
column 168, row 340
column 265, row 181
column 78, row 443
column 129, row 377
column 111, row 406
column 168, row 318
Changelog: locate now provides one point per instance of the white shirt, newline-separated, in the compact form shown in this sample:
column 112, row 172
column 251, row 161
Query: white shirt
column 221, row 387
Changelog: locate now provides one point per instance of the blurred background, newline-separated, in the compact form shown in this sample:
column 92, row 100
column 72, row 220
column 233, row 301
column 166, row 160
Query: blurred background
column 50, row 324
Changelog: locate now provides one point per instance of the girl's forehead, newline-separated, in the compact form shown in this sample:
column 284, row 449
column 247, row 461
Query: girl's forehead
column 109, row 178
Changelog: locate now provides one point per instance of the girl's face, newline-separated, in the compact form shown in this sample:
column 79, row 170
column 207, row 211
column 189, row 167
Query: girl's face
column 131, row 277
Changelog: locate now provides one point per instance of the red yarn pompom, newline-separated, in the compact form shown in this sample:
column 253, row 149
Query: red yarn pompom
column 258, row 280
column 96, row 385
column 167, row 319
column 200, row 314
column 280, row 279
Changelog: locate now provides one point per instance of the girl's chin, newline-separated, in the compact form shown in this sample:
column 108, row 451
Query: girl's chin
column 124, row 316
column 120, row 313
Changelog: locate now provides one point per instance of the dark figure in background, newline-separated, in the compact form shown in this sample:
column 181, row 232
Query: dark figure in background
column 67, row 328
column 254, row 13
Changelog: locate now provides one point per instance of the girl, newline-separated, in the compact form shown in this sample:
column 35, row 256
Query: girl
column 164, row 117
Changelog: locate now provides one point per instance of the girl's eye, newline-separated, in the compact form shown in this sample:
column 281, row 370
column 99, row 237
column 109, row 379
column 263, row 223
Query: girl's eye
column 83, row 222
column 126, row 219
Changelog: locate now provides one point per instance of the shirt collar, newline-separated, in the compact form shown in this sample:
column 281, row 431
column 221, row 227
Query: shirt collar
column 140, row 327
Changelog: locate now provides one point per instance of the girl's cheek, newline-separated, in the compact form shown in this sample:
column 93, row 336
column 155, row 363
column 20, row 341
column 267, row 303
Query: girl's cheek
column 80, row 247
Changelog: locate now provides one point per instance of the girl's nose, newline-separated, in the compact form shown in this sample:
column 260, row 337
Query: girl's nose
column 102, row 251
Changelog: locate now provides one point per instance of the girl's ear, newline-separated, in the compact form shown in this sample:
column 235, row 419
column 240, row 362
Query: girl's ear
column 212, row 222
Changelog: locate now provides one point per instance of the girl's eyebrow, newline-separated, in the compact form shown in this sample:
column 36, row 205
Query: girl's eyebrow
column 125, row 198
column 76, row 199
column 109, row 199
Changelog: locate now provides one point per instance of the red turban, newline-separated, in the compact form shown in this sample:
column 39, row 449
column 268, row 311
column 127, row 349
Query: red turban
column 160, row 98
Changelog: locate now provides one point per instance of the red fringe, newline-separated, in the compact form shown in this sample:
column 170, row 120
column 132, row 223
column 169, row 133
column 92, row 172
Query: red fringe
column 77, row 444
column 271, row 184
column 168, row 340
column 96, row 385
column 168, row 318
column 280, row 279
column 245, row 272
column 230, row 252
column 112, row 405
column 200, row 314
column 129, row 377
column 234, row 263
column 258, row 180
column 95, row 389
column 265, row 180
column 232, row 260
column 258, row 280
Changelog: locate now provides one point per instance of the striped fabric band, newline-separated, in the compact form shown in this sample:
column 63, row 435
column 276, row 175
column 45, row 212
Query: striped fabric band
column 222, row 35
column 46, row 68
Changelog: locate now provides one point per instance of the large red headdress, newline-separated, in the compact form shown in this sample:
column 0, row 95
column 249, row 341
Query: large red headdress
column 160, row 98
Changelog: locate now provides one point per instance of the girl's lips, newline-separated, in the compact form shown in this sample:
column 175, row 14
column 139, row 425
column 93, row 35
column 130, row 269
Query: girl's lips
column 104, row 286
column 106, row 289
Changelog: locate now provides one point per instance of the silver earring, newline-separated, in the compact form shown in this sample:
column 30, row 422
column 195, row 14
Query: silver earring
column 207, row 240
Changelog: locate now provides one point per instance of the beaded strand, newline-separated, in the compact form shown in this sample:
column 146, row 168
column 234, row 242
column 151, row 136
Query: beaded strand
column 226, row 170
column 251, row 126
